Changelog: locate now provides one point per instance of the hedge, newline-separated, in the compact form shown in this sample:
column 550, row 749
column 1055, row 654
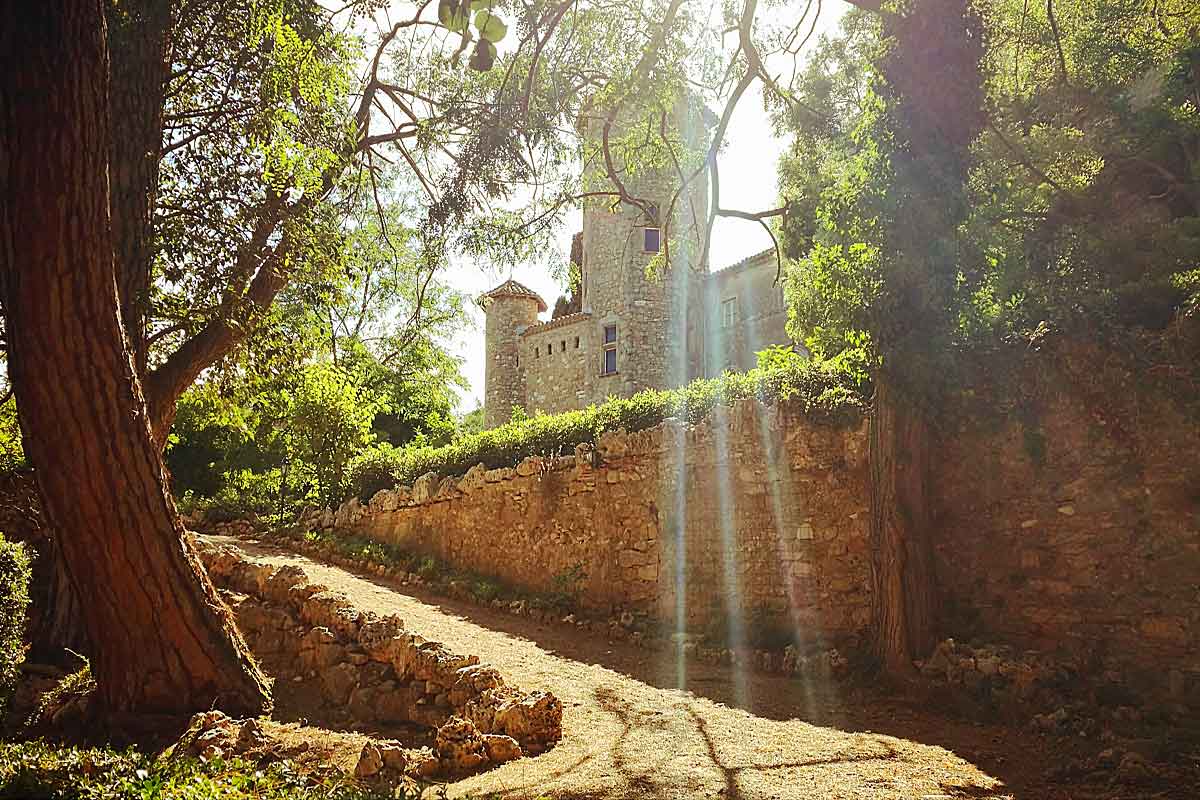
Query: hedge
column 817, row 391
column 14, row 600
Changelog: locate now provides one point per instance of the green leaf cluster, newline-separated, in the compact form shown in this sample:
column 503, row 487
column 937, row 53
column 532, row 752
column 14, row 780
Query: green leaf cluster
column 40, row 770
column 1077, row 202
column 14, row 602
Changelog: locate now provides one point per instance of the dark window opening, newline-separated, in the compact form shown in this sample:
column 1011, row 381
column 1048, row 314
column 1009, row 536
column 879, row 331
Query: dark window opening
column 576, row 342
column 562, row 346
column 650, row 240
column 550, row 349
column 610, row 361
column 609, row 365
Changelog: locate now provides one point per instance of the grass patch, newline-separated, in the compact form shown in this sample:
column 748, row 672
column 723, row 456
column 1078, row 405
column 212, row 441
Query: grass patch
column 484, row 589
column 37, row 771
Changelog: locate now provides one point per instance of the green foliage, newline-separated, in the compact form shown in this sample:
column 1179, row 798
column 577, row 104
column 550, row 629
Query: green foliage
column 777, row 357
column 1074, row 203
column 330, row 421
column 817, row 391
column 40, row 771
column 14, row 600
column 12, row 454
column 568, row 587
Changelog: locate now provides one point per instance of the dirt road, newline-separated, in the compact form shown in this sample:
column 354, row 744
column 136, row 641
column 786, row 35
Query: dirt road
column 629, row 733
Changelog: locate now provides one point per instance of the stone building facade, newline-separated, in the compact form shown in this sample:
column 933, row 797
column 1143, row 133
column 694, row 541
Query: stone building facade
column 645, row 321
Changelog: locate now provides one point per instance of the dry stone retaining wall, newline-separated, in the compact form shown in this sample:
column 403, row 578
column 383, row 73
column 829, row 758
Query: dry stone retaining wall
column 759, row 507
column 1067, row 493
column 380, row 671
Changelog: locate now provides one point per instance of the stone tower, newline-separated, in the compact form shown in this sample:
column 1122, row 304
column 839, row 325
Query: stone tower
column 656, row 318
column 510, row 309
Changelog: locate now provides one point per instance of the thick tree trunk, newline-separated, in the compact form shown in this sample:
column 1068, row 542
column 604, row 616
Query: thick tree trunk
column 902, row 553
column 139, row 48
column 165, row 642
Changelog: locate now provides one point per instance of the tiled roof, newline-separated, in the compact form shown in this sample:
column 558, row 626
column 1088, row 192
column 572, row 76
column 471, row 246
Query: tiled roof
column 511, row 288
column 549, row 325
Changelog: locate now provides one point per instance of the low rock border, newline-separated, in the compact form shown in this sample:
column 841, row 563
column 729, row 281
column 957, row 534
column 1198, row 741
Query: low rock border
column 380, row 671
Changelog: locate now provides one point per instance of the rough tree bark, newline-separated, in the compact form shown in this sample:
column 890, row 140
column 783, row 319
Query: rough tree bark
column 904, row 597
column 139, row 51
column 933, row 88
column 169, row 644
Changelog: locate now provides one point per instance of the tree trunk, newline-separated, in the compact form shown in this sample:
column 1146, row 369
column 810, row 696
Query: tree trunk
column 139, row 49
column 166, row 643
column 902, row 575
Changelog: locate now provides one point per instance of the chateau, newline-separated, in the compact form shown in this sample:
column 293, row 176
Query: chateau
column 624, row 330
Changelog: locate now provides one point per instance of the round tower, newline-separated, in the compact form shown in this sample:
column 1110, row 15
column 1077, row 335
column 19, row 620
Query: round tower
column 510, row 308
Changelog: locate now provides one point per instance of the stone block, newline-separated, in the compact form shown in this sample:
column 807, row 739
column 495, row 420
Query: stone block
column 424, row 487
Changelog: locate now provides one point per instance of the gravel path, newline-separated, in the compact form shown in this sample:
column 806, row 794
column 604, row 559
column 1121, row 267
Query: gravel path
column 628, row 733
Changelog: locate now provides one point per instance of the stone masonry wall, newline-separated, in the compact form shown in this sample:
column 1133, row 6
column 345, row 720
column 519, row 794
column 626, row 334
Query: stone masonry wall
column 679, row 523
column 1067, row 494
column 504, row 380
column 761, row 313
column 560, row 358
column 1069, row 523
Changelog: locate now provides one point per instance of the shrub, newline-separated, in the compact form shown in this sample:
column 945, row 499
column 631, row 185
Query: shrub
column 14, row 600
column 39, row 770
column 815, row 390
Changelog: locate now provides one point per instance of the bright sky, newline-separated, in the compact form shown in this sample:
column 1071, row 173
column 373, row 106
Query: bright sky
column 748, row 182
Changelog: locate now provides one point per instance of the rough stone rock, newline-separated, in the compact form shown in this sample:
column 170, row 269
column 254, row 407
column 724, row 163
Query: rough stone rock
column 384, row 500
column 501, row 748
column 251, row 737
column 584, row 453
column 1134, row 768
column 376, row 671
column 428, row 766
column 331, row 610
column 530, row 466
column 380, row 638
column 348, row 513
column 394, row 757
column 433, row 661
column 474, row 478
column 338, row 681
column 534, row 719
column 370, row 761
column 424, row 487
column 460, row 746
column 320, row 648
column 278, row 587
column 208, row 734
column 613, row 444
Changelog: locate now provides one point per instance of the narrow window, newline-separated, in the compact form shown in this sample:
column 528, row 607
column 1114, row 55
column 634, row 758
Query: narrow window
column 518, row 362
column 650, row 240
column 536, row 352
column 576, row 342
column 609, row 365
column 729, row 312
column 550, row 349
column 562, row 346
